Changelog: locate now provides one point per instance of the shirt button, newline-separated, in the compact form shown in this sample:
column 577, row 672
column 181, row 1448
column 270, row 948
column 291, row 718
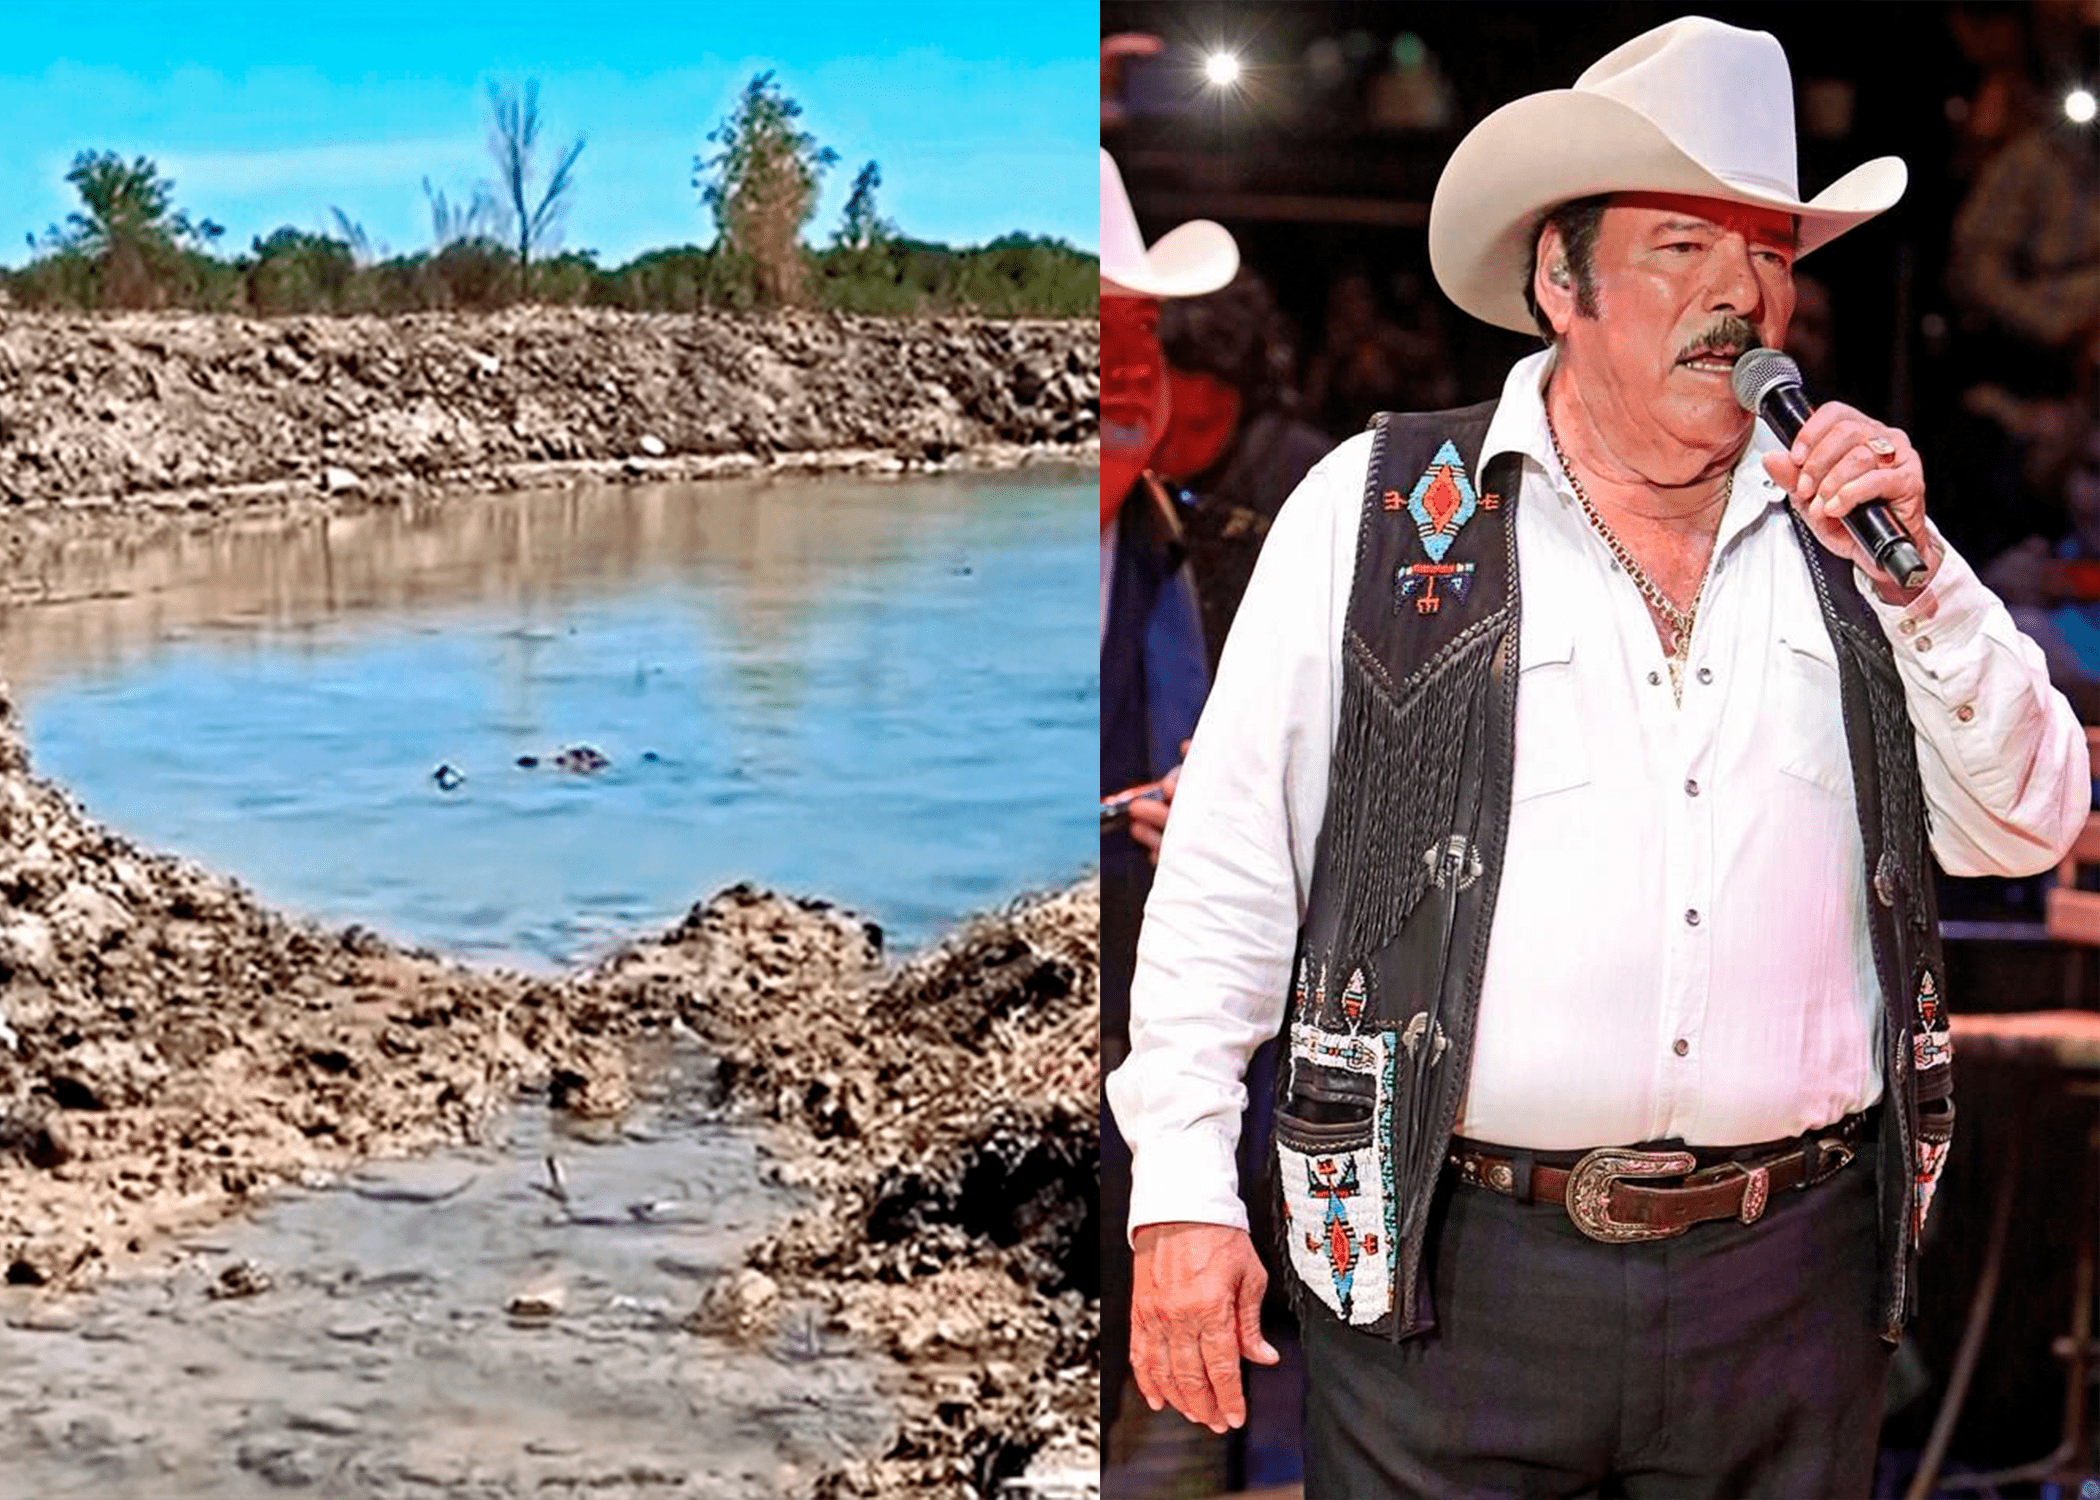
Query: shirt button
column 1924, row 643
column 1680, row 1046
column 1691, row 917
column 1907, row 626
column 1654, row 678
column 1691, row 787
column 1706, row 674
column 1965, row 713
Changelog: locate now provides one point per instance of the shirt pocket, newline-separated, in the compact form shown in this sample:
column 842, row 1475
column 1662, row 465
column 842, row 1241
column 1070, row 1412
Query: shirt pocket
column 1806, row 718
column 1552, row 750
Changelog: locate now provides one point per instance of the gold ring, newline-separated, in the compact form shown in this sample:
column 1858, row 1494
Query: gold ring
column 1884, row 452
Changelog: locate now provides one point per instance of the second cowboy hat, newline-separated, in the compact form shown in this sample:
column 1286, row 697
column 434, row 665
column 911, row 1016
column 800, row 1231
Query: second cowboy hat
column 1691, row 107
column 1189, row 260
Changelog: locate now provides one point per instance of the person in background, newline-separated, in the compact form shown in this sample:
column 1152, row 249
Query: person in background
column 2024, row 274
column 1234, row 446
column 2053, row 589
column 1154, row 670
column 1371, row 361
column 1118, row 52
column 1233, row 450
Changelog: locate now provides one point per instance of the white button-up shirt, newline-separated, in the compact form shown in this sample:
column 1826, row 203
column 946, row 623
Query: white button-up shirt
column 1680, row 944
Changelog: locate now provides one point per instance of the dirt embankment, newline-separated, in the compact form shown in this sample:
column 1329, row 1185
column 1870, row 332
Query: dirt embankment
column 948, row 1111
column 183, row 415
column 173, row 1048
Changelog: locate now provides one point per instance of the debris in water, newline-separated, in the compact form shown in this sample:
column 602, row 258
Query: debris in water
column 554, row 1187
column 737, row 1304
column 244, row 1278
column 582, row 759
column 537, row 1304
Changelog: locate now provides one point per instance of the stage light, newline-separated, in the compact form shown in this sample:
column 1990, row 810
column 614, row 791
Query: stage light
column 1222, row 69
column 2079, row 106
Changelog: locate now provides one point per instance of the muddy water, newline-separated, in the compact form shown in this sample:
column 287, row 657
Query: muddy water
column 472, row 1324
column 880, row 692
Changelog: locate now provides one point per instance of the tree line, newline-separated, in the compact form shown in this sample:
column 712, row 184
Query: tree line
column 129, row 246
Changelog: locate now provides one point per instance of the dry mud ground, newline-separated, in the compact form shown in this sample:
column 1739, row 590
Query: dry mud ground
column 174, row 1049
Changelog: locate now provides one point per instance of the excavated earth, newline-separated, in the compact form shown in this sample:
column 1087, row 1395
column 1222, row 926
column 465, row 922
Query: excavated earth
column 173, row 1049
column 106, row 421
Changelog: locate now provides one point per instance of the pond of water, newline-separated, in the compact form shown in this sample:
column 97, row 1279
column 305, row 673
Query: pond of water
column 882, row 693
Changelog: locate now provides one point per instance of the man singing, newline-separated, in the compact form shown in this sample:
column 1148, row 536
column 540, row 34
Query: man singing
column 1568, row 797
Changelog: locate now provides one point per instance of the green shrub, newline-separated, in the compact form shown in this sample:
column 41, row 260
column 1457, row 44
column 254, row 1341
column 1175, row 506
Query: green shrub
column 295, row 272
column 468, row 275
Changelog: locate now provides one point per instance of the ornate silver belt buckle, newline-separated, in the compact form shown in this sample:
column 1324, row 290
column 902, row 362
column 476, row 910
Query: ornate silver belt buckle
column 1590, row 1184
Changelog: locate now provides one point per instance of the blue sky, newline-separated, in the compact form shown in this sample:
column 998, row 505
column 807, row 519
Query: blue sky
column 984, row 116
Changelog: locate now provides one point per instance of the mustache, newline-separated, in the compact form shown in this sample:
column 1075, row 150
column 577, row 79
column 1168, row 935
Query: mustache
column 1725, row 332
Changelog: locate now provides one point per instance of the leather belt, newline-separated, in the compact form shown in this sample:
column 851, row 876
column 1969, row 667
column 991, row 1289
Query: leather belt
column 1605, row 1196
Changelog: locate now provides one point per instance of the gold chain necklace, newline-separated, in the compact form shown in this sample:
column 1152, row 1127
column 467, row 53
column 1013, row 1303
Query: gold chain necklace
column 1680, row 621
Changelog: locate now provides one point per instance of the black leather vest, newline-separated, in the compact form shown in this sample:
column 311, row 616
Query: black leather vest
column 1379, row 1035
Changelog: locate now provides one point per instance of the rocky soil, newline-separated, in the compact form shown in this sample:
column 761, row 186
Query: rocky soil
column 174, row 1049
column 950, row 1110
column 178, row 418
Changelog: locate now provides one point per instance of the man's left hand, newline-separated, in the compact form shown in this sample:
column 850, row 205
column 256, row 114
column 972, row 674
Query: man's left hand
column 1834, row 466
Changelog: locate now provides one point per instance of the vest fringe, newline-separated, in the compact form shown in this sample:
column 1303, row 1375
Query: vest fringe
column 1402, row 748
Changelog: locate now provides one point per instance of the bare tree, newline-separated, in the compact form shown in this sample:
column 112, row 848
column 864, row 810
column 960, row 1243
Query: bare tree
column 462, row 223
column 512, row 138
column 352, row 233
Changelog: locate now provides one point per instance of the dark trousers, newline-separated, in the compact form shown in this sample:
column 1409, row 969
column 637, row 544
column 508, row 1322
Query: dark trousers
column 1730, row 1362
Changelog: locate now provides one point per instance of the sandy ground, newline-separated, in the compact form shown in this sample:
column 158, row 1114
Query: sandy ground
column 175, row 1052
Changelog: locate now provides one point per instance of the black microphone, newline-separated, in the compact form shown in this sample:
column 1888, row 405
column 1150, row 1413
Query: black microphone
column 1769, row 383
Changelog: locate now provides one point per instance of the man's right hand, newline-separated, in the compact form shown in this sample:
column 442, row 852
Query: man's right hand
column 1148, row 815
column 1195, row 1312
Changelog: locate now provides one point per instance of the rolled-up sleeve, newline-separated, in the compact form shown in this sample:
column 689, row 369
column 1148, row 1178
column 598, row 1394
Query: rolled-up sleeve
column 2008, row 779
column 1214, row 956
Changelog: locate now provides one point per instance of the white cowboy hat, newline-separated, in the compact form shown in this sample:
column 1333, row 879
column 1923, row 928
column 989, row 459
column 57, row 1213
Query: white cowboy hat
column 1189, row 260
column 1691, row 107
